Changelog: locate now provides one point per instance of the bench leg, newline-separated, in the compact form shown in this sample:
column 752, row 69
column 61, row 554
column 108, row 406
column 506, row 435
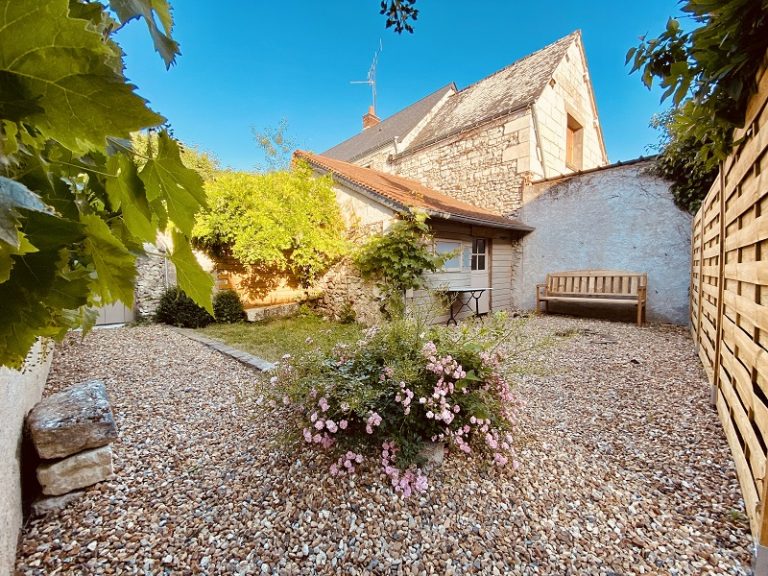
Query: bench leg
column 640, row 314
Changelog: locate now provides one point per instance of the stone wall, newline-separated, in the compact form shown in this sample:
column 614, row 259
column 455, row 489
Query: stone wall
column 616, row 218
column 155, row 274
column 484, row 166
column 343, row 290
column 19, row 392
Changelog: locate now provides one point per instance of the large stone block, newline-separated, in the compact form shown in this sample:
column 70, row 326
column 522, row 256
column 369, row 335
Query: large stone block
column 72, row 420
column 75, row 472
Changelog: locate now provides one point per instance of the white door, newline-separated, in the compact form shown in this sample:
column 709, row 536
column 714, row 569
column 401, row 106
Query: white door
column 117, row 313
column 480, row 271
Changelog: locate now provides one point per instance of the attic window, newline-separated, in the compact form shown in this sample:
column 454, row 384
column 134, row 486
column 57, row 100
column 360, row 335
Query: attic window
column 574, row 144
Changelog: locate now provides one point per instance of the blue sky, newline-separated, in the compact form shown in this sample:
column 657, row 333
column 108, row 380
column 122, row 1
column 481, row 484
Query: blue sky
column 251, row 63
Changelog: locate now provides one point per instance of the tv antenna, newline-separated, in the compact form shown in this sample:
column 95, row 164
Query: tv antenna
column 371, row 80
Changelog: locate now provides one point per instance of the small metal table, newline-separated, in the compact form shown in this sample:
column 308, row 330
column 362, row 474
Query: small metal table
column 474, row 295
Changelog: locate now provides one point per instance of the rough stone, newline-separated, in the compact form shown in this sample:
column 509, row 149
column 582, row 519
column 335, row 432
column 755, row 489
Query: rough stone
column 433, row 454
column 75, row 472
column 72, row 420
column 46, row 505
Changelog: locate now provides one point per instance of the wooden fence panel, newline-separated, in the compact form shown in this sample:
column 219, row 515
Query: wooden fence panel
column 729, row 303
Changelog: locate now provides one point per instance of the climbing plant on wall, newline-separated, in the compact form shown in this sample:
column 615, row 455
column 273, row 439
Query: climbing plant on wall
column 284, row 221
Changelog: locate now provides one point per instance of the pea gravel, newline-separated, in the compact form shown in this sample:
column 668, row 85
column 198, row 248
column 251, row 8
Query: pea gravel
column 624, row 470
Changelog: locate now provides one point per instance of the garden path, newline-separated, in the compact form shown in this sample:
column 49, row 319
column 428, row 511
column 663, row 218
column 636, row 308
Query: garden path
column 625, row 470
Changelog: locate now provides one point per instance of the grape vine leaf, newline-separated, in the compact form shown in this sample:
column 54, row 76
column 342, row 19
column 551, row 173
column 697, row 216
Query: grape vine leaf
column 126, row 191
column 115, row 265
column 192, row 279
column 15, row 196
column 60, row 62
column 7, row 254
column 127, row 10
column 166, row 178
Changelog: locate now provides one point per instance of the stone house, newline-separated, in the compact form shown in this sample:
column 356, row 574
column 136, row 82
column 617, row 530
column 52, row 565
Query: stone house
column 480, row 240
column 526, row 141
column 534, row 119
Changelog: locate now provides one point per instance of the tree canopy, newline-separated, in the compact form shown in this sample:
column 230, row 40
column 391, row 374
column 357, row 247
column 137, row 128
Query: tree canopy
column 286, row 221
column 709, row 70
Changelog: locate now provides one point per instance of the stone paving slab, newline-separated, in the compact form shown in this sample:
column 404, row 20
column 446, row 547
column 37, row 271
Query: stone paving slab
column 241, row 355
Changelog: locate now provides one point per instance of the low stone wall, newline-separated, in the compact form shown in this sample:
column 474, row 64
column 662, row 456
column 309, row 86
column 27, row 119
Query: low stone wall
column 343, row 290
column 155, row 274
column 19, row 392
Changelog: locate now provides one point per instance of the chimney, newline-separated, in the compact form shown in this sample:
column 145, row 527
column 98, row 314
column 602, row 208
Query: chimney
column 370, row 119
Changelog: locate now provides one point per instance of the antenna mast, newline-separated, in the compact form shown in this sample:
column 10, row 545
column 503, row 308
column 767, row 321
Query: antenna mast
column 371, row 80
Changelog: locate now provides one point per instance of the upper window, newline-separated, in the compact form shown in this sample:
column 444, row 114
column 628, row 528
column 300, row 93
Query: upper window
column 574, row 144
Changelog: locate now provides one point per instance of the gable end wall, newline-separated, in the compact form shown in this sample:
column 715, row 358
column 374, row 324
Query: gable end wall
column 483, row 166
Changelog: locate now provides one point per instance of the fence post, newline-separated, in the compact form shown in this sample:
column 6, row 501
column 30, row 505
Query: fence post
column 720, row 285
column 701, row 279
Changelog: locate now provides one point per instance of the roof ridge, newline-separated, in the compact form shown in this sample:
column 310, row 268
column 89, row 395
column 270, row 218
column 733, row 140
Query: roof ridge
column 575, row 34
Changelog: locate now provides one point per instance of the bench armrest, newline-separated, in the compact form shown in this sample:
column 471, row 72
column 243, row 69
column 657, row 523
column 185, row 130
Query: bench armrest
column 642, row 293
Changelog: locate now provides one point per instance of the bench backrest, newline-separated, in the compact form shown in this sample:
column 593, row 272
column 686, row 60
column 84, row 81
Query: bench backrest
column 596, row 282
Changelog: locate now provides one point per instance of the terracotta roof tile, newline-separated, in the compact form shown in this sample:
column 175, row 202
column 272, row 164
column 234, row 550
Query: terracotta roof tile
column 403, row 193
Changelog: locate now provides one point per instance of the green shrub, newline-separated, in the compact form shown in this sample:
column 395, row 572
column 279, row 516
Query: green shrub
column 403, row 385
column 227, row 307
column 178, row 309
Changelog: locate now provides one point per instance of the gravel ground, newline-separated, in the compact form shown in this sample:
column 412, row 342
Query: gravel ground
column 625, row 470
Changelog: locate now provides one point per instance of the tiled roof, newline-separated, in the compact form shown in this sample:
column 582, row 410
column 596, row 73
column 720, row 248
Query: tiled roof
column 403, row 193
column 396, row 126
column 509, row 89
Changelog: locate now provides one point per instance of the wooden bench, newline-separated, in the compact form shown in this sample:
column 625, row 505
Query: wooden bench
column 592, row 286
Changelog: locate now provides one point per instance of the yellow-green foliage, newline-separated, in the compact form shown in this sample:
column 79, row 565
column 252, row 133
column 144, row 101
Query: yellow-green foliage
column 286, row 221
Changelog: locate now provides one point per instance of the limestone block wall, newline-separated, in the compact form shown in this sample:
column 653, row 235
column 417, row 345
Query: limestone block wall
column 19, row 392
column 617, row 218
column 155, row 273
column 570, row 93
column 343, row 289
column 484, row 166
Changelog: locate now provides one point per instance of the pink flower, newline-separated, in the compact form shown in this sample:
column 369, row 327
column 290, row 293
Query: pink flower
column 430, row 414
column 499, row 460
column 343, row 424
column 307, row 435
column 319, row 424
column 334, row 470
column 313, row 417
column 331, row 426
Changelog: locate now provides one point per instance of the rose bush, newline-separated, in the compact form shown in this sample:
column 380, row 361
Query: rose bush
column 402, row 385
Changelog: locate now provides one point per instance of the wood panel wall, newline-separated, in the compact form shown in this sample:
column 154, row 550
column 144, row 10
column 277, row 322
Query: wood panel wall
column 729, row 303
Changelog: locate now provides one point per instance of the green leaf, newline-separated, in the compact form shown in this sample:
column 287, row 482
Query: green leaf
column 15, row 196
column 126, row 191
column 166, row 178
column 192, row 279
column 127, row 10
column 8, row 252
column 115, row 265
column 62, row 64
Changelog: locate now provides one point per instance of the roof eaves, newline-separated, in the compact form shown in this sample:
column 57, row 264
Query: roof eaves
column 513, row 225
